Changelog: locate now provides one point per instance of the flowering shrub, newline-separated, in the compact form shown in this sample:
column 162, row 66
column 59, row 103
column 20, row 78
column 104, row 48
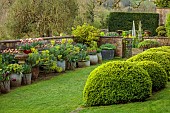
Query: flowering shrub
column 86, row 34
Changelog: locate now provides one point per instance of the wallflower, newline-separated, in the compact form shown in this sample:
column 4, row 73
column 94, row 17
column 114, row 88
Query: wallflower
column 10, row 51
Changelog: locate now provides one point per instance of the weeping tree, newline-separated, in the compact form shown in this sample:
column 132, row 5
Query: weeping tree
column 34, row 18
column 4, row 7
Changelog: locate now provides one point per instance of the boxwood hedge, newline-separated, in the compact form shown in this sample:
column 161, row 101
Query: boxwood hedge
column 163, row 49
column 123, row 21
column 162, row 58
column 156, row 72
column 117, row 82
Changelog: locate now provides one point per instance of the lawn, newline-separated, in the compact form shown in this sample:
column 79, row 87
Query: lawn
column 63, row 94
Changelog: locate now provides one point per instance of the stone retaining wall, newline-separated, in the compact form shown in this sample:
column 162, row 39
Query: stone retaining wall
column 117, row 41
column 164, row 41
column 12, row 44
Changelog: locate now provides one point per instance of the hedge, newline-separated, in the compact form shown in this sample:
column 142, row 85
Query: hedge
column 168, row 25
column 117, row 82
column 156, row 72
column 162, row 58
column 124, row 21
column 163, row 49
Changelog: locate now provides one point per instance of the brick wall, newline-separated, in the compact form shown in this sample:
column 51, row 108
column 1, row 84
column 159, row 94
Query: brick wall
column 117, row 41
column 162, row 14
column 164, row 41
column 12, row 44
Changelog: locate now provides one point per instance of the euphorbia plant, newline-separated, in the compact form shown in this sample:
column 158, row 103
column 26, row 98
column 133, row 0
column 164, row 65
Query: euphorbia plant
column 83, row 55
column 62, row 51
column 49, row 62
column 14, row 68
column 34, row 58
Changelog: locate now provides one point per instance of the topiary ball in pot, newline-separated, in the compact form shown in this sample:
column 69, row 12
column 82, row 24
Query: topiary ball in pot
column 117, row 82
column 156, row 72
column 162, row 58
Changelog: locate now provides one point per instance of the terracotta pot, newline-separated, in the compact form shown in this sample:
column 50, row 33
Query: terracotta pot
column 83, row 64
column 93, row 59
column 15, row 80
column 5, row 86
column 35, row 72
column 27, row 51
column 27, row 78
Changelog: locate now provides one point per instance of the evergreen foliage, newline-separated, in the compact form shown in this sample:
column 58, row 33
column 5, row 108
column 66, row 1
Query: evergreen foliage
column 163, row 49
column 34, row 18
column 162, row 58
column 156, row 72
column 161, row 30
column 162, row 3
column 123, row 21
column 168, row 25
column 86, row 34
column 117, row 82
column 148, row 44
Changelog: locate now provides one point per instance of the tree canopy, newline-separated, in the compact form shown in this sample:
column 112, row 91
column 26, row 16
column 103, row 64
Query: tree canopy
column 41, row 17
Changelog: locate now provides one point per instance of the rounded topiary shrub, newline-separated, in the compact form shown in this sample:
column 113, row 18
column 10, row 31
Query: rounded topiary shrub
column 163, row 49
column 117, row 82
column 162, row 58
column 156, row 72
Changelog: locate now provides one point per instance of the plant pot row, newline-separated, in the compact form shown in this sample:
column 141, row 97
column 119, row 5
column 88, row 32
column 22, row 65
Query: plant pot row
column 94, row 59
column 16, row 80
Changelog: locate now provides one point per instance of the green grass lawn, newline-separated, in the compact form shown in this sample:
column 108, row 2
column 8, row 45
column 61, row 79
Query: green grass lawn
column 63, row 94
